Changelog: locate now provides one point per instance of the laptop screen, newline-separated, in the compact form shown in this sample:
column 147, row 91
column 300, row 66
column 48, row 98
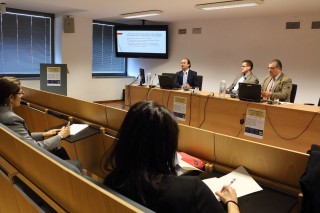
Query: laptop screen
column 166, row 82
column 249, row 92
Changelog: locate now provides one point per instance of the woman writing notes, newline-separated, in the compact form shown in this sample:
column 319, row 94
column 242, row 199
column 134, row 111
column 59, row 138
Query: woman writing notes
column 143, row 166
column 10, row 97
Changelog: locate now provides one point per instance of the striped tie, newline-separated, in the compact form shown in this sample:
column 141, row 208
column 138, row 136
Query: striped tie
column 270, row 85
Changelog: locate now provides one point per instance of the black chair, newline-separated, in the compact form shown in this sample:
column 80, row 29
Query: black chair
column 200, row 79
column 319, row 102
column 172, row 75
column 293, row 93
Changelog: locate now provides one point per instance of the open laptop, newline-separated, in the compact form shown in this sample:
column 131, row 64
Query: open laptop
column 166, row 82
column 249, row 92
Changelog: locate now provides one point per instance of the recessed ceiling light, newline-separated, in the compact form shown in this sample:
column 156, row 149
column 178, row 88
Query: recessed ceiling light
column 229, row 4
column 141, row 14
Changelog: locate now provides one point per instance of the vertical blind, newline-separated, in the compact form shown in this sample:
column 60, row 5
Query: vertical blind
column 25, row 42
column 104, row 61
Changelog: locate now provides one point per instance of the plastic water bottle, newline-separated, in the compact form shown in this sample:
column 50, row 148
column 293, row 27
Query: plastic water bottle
column 222, row 89
column 148, row 78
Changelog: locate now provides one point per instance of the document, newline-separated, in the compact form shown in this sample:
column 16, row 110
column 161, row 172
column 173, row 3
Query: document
column 76, row 128
column 244, row 184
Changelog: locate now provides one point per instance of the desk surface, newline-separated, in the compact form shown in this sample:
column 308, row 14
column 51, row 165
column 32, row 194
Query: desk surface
column 87, row 132
column 265, row 201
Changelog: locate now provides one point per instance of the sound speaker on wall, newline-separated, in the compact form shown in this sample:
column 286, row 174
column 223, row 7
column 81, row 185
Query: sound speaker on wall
column 3, row 8
column 68, row 25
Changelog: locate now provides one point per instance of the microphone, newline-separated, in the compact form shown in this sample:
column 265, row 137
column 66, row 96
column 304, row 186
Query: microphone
column 134, row 80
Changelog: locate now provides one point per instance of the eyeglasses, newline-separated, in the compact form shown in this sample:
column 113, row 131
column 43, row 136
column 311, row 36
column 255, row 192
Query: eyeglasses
column 271, row 68
column 244, row 66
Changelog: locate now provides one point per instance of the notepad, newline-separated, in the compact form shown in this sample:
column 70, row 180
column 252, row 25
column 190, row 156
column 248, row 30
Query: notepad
column 244, row 183
column 76, row 128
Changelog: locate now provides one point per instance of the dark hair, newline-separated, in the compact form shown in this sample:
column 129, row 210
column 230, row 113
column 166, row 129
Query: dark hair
column 249, row 63
column 189, row 62
column 8, row 86
column 277, row 62
column 145, row 151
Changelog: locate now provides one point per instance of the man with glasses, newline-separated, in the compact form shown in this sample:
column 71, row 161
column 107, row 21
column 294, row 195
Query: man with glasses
column 276, row 85
column 246, row 76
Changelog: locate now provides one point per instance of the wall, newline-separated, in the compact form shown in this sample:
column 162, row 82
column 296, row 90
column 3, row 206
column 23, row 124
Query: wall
column 76, row 52
column 216, row 54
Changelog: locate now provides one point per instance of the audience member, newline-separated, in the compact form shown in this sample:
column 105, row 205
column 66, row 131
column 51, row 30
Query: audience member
column 142, row 164
column 10, row 97
column 186, row 78
column 276, row 85
column 246, row 76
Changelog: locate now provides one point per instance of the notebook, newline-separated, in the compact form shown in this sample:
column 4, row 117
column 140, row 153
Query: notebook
column 166, row 82
column 249, row 92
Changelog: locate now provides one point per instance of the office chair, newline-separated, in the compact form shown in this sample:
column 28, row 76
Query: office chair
column 319, row 102
column 293, row 93
column 172, row 75
column 200, row 79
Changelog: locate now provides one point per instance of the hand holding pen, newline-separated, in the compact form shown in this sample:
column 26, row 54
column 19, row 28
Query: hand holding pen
column 225, row 187
column 228, row 193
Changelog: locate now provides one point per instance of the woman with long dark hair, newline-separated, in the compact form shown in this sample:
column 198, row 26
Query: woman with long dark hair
column 142, row 165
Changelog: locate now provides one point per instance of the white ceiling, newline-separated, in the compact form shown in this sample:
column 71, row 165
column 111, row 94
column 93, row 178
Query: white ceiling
column 173, row 10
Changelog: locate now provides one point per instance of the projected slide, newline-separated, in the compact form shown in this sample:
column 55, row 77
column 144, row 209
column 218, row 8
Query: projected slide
column 131, row 41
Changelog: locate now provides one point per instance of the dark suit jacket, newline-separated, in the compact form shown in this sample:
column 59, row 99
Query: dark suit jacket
column 250, row 79
column 18, row 125
column 192, row 79
column 281, row 88
column 309, row 182
column 175, row 194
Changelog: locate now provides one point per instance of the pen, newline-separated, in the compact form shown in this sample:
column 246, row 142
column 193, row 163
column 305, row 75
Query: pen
column 232, row 181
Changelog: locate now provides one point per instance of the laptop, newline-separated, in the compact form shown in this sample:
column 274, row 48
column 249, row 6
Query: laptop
column 166, row 82
column 250, row 92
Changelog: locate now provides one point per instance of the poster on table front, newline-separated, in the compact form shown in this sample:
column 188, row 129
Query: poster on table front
column 180, row 108
column 255, row 120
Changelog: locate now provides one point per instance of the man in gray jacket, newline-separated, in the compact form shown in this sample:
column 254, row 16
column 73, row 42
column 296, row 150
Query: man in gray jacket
column 246, row 76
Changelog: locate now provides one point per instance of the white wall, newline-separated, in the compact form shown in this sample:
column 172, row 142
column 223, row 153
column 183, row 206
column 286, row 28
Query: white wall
column 216, row 54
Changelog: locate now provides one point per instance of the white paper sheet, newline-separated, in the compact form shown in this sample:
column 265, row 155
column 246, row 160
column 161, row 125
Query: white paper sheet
column 244, row 183
column 76, row 128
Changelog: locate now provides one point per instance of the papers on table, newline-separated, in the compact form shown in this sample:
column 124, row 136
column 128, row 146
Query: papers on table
column 183, row 167
column 244, row 184
column 76, row 128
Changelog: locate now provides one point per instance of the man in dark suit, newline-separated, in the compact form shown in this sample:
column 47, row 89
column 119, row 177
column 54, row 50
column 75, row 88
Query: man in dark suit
column 186, row 78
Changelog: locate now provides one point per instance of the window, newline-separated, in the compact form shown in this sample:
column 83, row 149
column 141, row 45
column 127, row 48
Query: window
column 26, row 40
column 104, row 61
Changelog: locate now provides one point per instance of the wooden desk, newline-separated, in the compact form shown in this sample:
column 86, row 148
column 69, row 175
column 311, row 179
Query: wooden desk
column 265, row 201
column 293, row 126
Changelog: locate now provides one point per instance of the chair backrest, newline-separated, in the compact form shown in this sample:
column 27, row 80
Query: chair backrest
column 200, row 79
column 319, row 102
column 293, row 92
column 172, row 75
